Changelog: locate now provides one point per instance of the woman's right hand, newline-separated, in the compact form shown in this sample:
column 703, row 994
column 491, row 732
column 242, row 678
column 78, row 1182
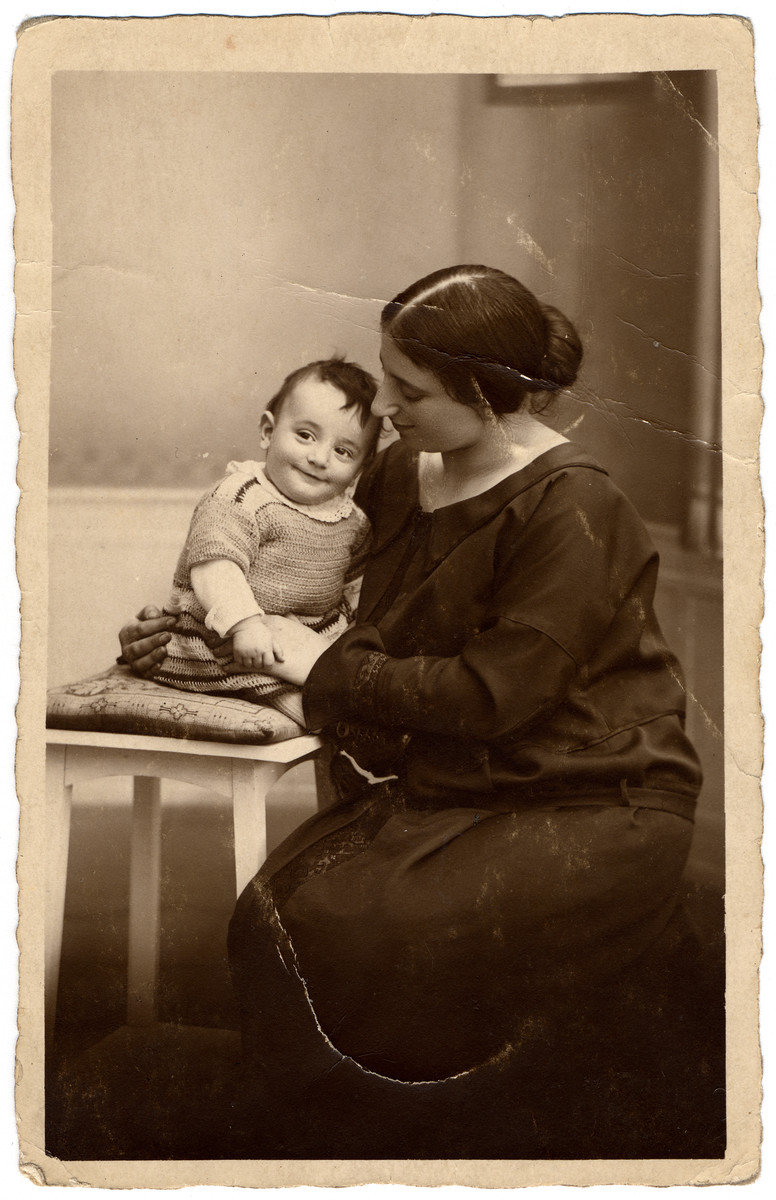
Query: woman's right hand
column 143, row 640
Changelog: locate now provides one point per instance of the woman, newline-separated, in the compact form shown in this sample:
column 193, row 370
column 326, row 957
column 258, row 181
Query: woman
column 492, row 904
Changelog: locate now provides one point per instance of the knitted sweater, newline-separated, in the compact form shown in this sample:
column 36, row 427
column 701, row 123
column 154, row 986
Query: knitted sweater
column 297, row 560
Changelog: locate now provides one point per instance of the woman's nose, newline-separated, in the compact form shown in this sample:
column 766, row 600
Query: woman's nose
column 383, row 405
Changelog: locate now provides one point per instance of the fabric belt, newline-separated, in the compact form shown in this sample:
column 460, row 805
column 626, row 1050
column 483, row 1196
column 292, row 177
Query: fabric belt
column 351, row 781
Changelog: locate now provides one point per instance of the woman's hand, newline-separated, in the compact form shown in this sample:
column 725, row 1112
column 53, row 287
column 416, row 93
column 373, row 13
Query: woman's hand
column 143, row 640
column 302, row 647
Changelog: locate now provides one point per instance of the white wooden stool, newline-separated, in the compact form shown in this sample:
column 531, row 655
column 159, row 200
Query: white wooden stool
column 243, row 772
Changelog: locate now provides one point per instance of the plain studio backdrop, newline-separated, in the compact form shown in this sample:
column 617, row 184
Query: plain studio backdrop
column 213, row 231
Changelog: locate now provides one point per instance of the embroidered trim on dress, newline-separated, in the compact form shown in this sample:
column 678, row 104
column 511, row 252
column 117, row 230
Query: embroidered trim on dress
column 365, row 683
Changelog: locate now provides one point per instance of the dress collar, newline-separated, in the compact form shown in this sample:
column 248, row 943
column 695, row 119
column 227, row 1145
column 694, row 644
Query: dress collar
column 337, row 509
column 399, row 501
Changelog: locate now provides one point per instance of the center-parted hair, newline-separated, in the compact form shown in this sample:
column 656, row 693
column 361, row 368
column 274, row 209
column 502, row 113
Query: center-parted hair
column 486, row 337
column 357, row 386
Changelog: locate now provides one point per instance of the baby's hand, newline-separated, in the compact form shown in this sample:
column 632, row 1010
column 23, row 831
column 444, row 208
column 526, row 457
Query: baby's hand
column 255, row 647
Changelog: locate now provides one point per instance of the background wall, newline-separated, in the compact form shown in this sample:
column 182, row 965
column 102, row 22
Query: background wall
column 214, row 231
column 602, row 196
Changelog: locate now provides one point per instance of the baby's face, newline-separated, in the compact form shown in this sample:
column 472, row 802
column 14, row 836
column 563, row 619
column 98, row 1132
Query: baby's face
column 315, row 446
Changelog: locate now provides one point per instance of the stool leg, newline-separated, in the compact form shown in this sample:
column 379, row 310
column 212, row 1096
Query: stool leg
column 59, row 801
column 145, row 879
column 250, row 783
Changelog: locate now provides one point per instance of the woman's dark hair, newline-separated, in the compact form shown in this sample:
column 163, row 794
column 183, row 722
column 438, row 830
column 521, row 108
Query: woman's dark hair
column 485, row 336
column 357, row 386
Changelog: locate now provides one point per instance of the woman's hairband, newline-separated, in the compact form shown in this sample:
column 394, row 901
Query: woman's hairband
column 528, row 382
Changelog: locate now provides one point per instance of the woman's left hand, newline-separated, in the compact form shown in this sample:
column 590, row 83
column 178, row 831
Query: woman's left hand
column 302, row 647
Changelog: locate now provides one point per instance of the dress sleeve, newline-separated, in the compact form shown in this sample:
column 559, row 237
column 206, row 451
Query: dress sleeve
column 368, row 489
column 558, row 583
column 222, row 528
column 359, row 551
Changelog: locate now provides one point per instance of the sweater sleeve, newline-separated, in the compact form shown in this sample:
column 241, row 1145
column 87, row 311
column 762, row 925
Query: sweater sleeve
column 222, row 527
column 557, row 585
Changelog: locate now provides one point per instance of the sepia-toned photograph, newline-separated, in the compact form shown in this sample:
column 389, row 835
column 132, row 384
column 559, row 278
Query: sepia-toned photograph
column 381, row 519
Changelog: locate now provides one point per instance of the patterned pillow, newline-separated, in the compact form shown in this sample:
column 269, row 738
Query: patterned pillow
column 118, row 702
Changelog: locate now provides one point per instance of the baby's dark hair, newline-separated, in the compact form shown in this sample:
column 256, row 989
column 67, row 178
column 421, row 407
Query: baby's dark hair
column 357, row 386
column 485, row 336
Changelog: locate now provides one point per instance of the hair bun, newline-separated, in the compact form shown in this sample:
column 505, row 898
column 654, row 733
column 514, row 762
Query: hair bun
column 483, row 334
column 564, row 349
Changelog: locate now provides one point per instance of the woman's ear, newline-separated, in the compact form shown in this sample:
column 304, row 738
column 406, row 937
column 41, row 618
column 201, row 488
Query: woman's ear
column 266, row 429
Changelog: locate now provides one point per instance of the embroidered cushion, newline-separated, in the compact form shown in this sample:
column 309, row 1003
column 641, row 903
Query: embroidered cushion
column 118, row 702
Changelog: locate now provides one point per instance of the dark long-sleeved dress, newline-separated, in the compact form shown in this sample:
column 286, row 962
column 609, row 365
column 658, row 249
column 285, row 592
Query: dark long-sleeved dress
column 508, row 671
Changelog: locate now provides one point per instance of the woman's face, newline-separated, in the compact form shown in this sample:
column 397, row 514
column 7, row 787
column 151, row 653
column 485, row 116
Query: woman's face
column 419, row 408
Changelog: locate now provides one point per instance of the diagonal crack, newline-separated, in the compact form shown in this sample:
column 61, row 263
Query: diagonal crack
column 585, row 396
column 688, row 108
column 644, row 272
column 671, row 349
column 420, row 1083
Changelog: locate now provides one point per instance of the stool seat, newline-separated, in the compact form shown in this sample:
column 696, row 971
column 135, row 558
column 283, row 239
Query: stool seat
column 242, row 772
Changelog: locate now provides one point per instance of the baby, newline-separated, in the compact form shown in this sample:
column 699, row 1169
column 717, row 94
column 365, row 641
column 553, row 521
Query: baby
column 283, row 537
